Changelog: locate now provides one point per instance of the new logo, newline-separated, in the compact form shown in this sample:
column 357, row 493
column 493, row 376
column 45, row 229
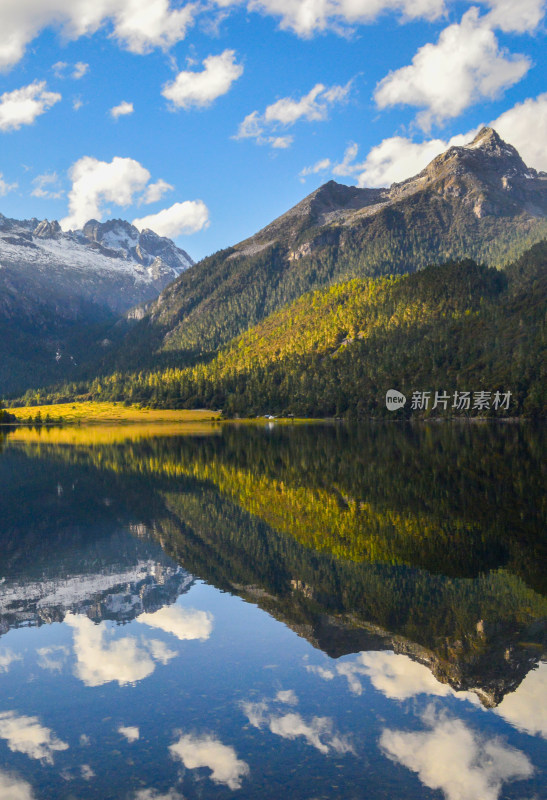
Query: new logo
column 394, row 400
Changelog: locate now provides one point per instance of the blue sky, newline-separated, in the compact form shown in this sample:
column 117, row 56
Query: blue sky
column 206, row 120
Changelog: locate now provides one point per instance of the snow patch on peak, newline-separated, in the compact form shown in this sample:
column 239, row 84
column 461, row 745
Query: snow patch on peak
column 120, row 239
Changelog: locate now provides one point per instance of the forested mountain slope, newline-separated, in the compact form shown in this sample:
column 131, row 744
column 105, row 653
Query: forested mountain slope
column 338, row 350
column 479, row 201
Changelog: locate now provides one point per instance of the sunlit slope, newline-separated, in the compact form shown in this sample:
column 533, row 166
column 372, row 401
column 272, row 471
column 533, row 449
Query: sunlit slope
column 338, row 350
column 105, row 413
column 460, row 206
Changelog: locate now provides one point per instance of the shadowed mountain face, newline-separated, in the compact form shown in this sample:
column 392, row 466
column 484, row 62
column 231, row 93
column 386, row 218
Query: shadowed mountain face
column 479, row 201
column 424, row 541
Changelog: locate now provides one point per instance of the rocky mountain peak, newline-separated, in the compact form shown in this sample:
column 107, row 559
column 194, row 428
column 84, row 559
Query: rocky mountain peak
column 114, row 234
column 487, row 174
column 487, row 139
column 47, row 230
column 486, row 153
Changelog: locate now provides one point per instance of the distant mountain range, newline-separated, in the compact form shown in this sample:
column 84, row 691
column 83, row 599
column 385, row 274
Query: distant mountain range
column 54, row 285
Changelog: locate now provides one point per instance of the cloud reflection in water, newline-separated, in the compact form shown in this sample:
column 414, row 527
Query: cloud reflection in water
column 206, row 751
column 14, row 788
column 181, row 622
column 526, row 707
column 26, row 735
column 451, row 757
column 319, row 732
column 125, row 660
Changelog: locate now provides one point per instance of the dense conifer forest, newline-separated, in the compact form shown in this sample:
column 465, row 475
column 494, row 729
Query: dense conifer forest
column 336, row 351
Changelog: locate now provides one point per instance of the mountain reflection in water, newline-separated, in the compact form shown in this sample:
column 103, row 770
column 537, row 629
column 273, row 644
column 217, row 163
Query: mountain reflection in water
column 153, row 586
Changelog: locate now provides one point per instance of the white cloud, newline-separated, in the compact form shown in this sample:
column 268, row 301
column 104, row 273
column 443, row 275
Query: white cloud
column 124, row 181
column 287, row 696
column 155, row 191
column 80, row 69
column 26, row 735
column 86, row 772
column 59, row 68
column 122, row 110
column 131, row 732
column 519, row 17
column 464, row 67
column 318, row 732
column 181, row 622
column 347, row 165
column 525, row 708
column 96, row 182
column 280, row 142
column 312, row 107
column 307, row 17
column 143, row 25
column 46, row 186
column 187, row 217
column 77, row 103
column 14, row 788
column 397, row 158
column 200, row 89
column 138, row 25
column 22, row 106
column 101, row 660
column 451, row 757
column 205, row 751
column 52, row 658
column 7, row 657
column 525, row 127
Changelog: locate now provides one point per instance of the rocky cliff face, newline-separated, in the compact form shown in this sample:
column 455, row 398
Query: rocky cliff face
column 486, row 176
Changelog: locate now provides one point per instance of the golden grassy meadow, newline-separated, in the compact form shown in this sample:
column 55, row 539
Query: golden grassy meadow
column 109, row 414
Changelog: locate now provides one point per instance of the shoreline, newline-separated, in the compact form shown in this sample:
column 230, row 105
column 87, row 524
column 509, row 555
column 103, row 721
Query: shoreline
column 118, row 414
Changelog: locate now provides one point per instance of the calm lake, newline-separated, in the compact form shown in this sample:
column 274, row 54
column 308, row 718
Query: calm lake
column 273, row 611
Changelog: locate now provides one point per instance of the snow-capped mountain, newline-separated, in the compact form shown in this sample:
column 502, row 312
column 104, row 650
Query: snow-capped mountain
column 57, row 288
column 105, row 263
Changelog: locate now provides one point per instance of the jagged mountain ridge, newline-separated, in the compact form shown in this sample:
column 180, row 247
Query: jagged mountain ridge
column 105, row 263
column 480, row 201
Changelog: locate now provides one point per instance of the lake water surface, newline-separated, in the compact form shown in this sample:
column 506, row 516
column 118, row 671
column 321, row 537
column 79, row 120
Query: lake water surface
column 281, row 611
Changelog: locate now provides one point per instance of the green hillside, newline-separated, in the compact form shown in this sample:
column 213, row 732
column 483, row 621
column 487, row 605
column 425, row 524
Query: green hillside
column 233, row 290
column 336, row 351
